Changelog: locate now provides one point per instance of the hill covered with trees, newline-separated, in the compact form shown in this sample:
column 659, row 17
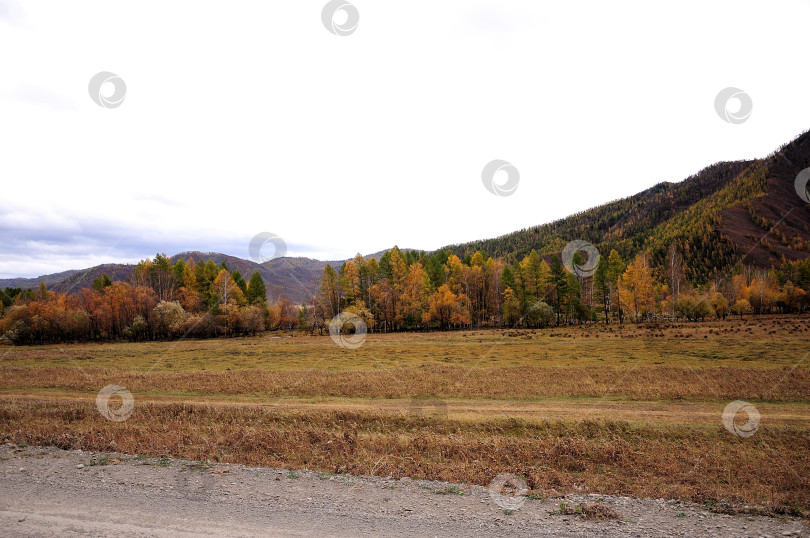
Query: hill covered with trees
column 723, row 216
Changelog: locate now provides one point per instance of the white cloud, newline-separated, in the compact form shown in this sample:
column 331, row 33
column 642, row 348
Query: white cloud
column 11, row 13
column 249, row 117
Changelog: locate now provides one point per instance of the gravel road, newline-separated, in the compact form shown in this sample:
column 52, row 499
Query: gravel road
column 52, row 492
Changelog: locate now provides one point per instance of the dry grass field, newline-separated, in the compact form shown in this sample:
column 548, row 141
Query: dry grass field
column 633, row 410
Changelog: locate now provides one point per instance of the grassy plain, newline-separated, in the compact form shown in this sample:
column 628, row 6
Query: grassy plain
column 633, row 410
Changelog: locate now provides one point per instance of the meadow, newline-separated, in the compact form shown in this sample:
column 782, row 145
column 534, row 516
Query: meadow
column 626, row 410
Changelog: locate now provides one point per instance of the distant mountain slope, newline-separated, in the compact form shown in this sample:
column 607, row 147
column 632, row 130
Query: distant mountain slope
column 294, row 277
column 24, row 283
column 73, row 279
column 280, row 280
column 300, row 277
column 84, row 278
column 297, row 278
column 717, row 218
column 623, row 224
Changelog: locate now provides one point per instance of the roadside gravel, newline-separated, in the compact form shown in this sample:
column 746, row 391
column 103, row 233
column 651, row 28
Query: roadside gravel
column 53, row 492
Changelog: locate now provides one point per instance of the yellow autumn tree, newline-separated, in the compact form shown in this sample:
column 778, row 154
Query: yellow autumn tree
column 350, row 282
column 415, row 294
column 226, row 289
column 637, row 289
column 448, row 309
column 455, row 274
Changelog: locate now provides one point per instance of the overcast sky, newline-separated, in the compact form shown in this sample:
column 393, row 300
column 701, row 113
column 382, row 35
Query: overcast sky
column 249, row 117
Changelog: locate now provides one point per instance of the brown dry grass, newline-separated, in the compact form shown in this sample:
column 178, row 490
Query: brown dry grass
column 703, row 463
column 571, row 409
column 765, row 343
column 519, row 382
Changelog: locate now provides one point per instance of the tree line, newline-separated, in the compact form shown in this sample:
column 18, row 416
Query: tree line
column 408, row 290
column 404, row 290
column 162, row 301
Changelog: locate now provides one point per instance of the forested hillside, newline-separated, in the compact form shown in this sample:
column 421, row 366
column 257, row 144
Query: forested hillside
column 718, row 218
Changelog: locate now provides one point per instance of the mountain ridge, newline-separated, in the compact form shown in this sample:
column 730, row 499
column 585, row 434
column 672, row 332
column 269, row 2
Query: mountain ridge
column 722, row 216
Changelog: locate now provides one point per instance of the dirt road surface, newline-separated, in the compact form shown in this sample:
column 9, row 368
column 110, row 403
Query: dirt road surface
column 52, row 492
